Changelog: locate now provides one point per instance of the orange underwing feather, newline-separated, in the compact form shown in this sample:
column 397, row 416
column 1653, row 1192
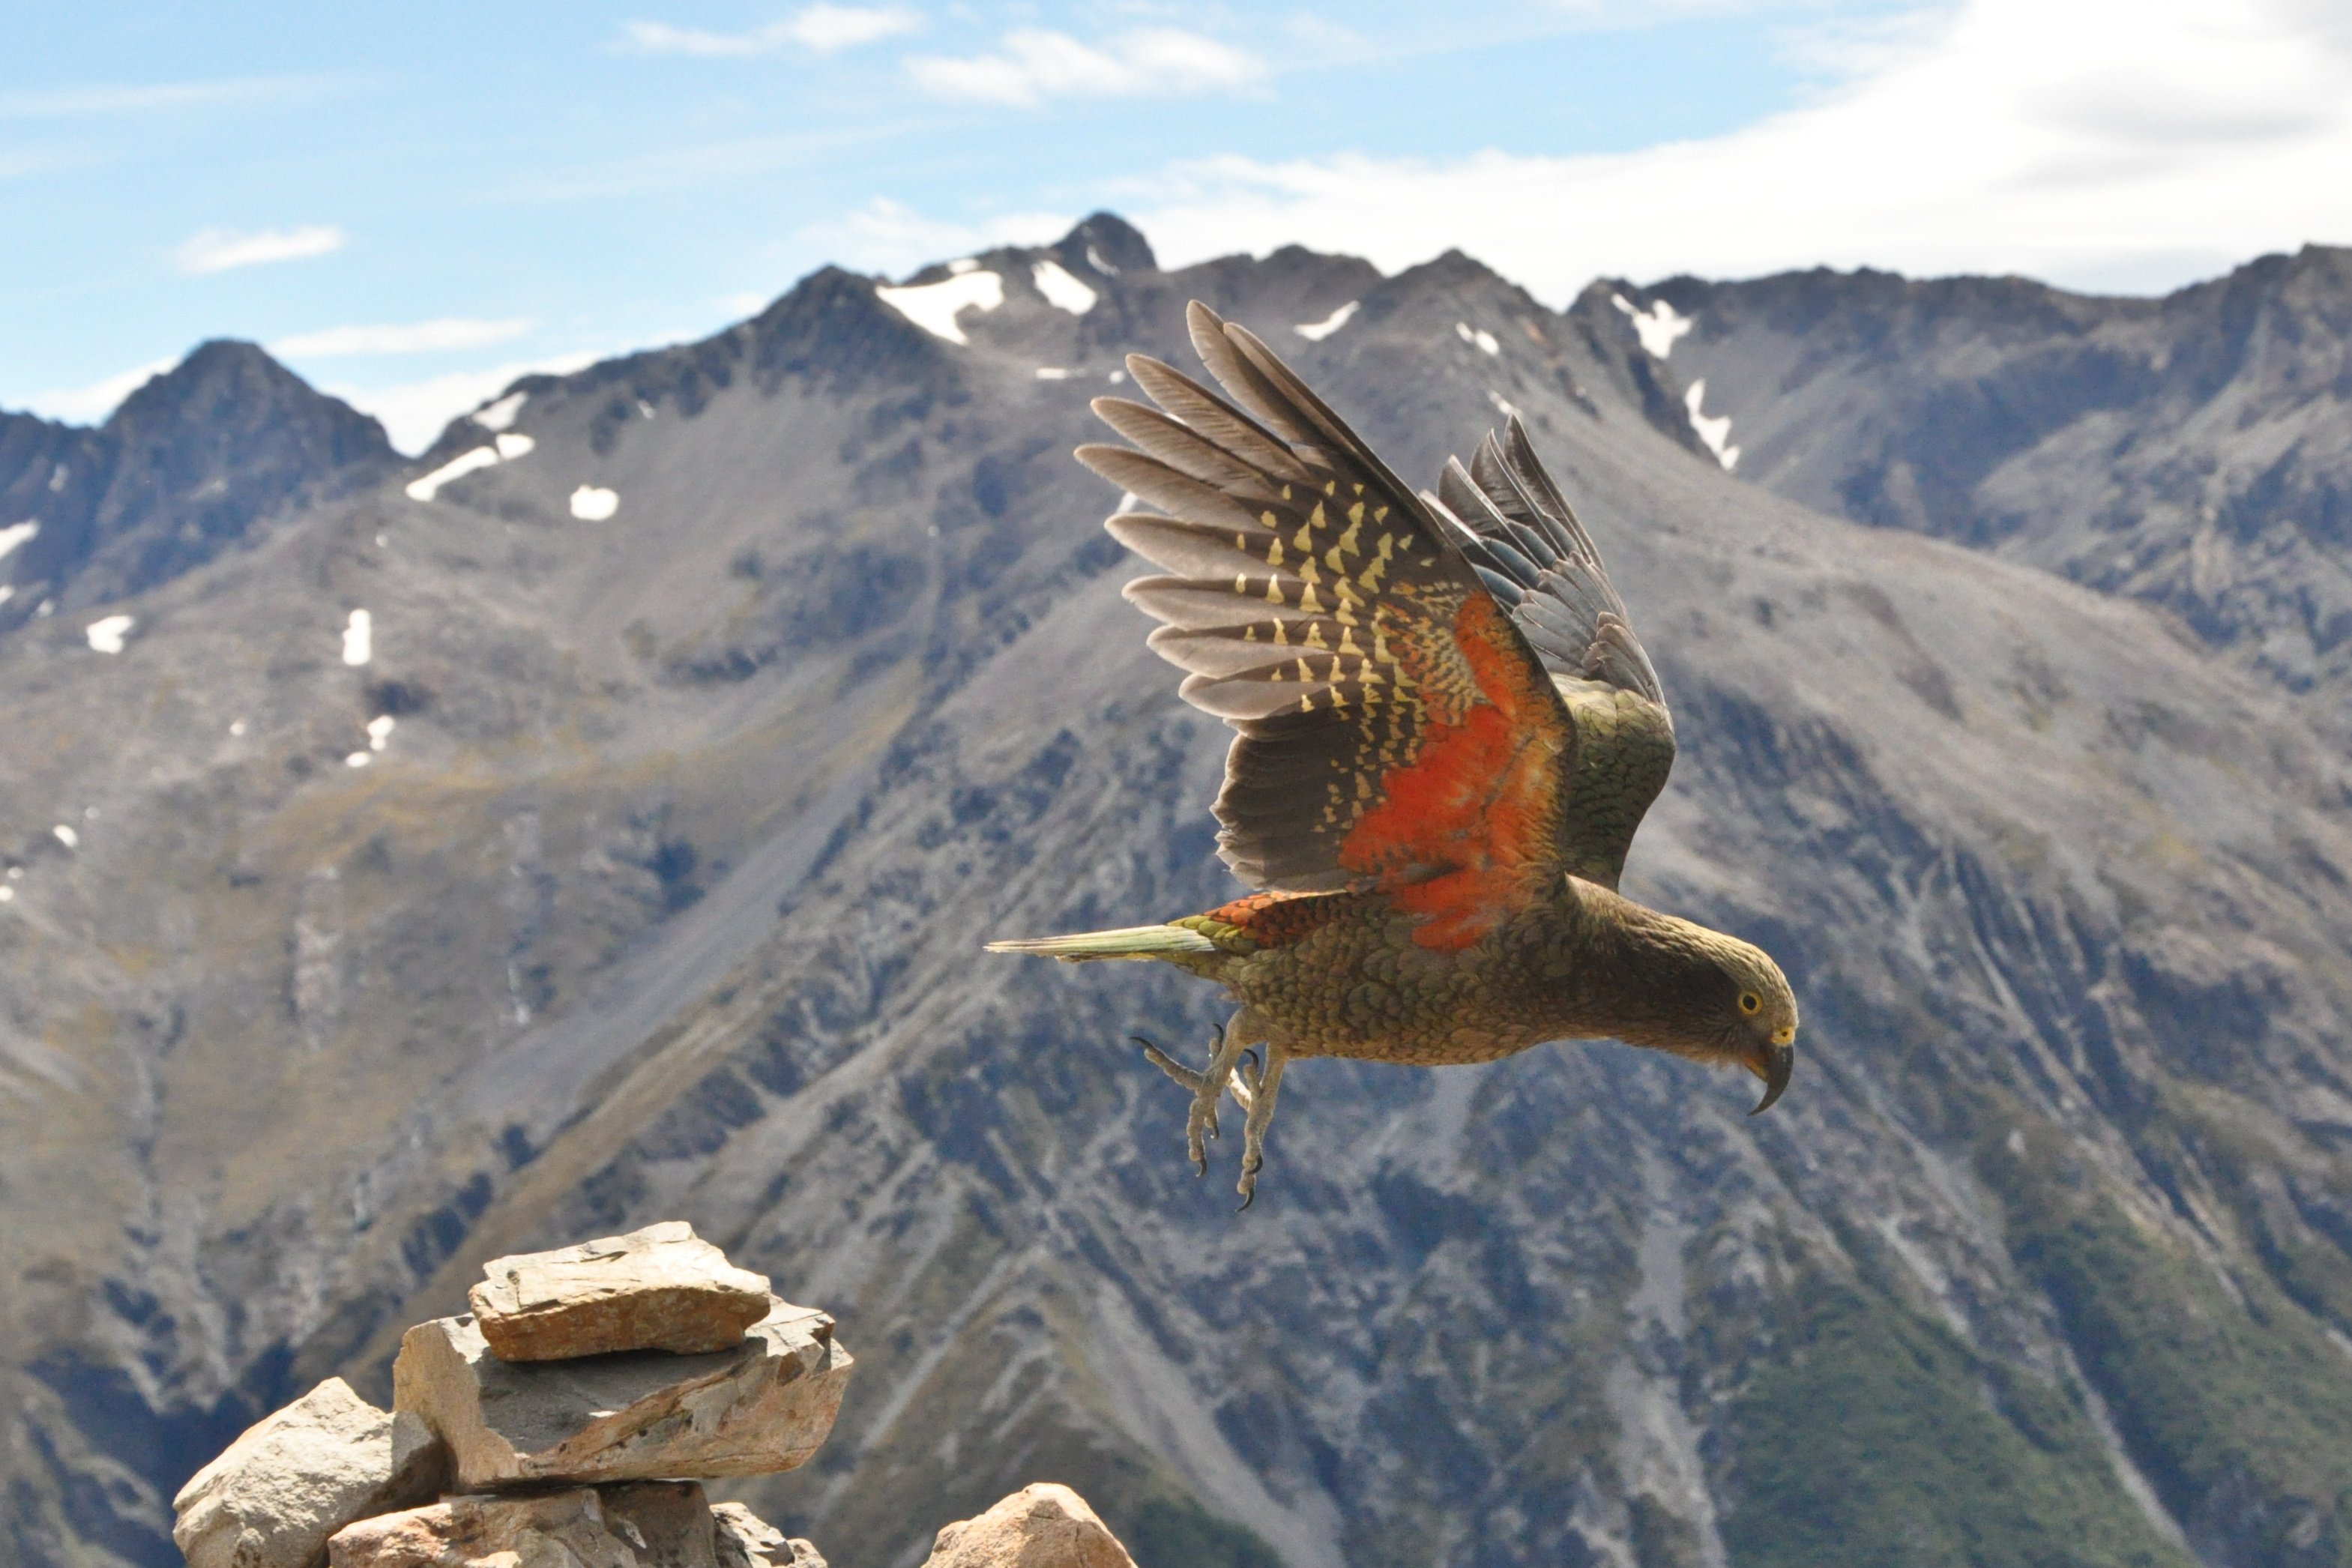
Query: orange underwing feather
column 1398, row 736
column 1481, row 796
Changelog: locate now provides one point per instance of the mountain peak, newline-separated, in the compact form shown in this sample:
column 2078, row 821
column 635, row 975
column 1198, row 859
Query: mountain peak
column 180, row 470
column 1110, row 244
column 227, row 382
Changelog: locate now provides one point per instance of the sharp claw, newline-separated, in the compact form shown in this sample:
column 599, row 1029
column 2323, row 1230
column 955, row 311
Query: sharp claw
column 1247, row 1199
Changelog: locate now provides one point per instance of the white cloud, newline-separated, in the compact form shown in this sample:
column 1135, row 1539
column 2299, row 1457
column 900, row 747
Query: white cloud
column 2048, row 137
column 888, row 236
column 823, row 29
column 217, row 249
column 414, row 412
column 404, row 338
column 103, row 98
column 89, row 405
column 1034, row 64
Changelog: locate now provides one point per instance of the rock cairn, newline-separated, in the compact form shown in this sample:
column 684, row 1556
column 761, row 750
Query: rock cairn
column 568, row 1422
column 569, row 1419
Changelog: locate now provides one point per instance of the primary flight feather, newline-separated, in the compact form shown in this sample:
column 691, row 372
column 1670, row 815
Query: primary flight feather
column 1448, row 734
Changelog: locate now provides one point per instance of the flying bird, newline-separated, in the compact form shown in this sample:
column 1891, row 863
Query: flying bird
column 1448, row 734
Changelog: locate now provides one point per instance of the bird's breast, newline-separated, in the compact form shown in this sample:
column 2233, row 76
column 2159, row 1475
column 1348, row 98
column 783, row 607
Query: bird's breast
column 1364, row 989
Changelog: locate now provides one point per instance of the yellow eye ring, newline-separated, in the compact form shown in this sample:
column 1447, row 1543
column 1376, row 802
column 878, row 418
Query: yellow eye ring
column 1750, row 1003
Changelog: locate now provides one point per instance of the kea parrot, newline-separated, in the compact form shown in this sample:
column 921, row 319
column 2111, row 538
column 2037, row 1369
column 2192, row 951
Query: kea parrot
column 1448, row 734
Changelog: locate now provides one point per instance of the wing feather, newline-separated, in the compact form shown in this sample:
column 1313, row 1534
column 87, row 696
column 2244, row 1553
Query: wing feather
column 1216, row 420
column 1397, row 734
column 1540, row 562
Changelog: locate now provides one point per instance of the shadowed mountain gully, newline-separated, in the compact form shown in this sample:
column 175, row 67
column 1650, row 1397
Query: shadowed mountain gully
column 662, row 895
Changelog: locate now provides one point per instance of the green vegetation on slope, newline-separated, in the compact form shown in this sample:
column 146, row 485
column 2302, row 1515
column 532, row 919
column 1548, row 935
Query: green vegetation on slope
column 2230, row 1395
column 1873, row 1436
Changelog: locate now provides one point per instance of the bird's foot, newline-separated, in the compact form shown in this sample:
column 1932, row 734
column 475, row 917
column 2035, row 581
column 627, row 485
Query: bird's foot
column 1207, row 1087
column 1263, row 1088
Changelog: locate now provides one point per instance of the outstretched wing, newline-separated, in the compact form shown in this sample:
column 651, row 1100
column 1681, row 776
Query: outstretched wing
column 1537, row 560
column 1397, row 733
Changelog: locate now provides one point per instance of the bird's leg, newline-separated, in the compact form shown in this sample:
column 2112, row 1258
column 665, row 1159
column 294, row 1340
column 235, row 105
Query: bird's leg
column 1263, row 1088
column 1207, row 1087
column 1243, row 1083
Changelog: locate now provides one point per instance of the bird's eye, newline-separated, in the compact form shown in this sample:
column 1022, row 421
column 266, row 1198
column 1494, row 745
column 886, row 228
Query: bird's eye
column 1750, row 1003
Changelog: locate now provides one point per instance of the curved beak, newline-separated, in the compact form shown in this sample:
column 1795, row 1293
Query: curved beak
column 1774, row 1069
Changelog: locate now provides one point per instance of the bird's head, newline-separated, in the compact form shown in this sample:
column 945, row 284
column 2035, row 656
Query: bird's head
column 1712, row 997
column 1756, row 1014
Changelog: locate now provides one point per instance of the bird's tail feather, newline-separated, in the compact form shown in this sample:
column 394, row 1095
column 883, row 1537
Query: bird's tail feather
column 1131, row 941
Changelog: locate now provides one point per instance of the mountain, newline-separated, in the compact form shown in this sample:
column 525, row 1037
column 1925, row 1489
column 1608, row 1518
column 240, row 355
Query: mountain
column 745, row 688
column 2193, row 451
column 183, row 469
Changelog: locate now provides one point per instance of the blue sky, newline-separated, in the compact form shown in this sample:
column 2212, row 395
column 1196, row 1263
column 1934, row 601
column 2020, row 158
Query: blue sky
column 410, row 203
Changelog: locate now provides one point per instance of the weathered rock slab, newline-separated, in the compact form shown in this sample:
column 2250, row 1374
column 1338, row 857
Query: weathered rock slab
column 645, row 1525
column 273, row 1497
column 662, row 1288
column 747, row 1541
column 1041, row 1526
column 762, row 1406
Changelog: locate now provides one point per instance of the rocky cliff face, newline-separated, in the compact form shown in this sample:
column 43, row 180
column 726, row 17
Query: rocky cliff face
column 746, row 687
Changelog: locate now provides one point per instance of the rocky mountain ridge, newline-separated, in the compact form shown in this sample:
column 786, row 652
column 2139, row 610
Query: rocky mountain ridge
column 187, row 467
column 2194, row 451
column 735, row 703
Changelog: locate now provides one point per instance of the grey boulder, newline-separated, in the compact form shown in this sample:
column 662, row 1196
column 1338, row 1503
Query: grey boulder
column 274, row 1497
column 1043, row 1525
column 747, row 1541
column 649, row 1525
column 762, row 1406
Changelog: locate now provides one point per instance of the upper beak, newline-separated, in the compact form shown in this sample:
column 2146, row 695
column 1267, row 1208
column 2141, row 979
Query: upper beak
column 1774, row 1069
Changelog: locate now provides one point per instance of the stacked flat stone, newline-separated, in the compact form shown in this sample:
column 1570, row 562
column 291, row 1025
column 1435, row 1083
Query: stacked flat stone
column 569, row 1419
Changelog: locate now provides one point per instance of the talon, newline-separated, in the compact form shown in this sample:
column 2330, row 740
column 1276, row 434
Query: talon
column 1246, row 1201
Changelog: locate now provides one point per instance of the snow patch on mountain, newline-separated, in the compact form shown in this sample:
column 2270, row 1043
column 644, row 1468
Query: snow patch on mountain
column 594, row 503
column 1316, row 331
column 1061, row 289
column 1659, row 327
column 935, row 306
column 465, row 463
column 498, row 416
column 1717, row 431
